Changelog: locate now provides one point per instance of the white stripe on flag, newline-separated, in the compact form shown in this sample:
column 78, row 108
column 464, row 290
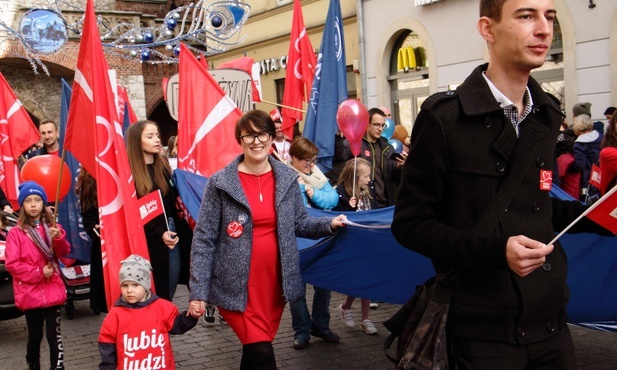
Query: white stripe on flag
column 80, row 79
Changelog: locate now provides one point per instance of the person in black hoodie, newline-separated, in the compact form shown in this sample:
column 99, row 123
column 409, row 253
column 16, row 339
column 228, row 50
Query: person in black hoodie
column 169, row 240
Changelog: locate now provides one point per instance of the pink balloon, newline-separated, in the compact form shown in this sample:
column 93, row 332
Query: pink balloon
column 352, row 119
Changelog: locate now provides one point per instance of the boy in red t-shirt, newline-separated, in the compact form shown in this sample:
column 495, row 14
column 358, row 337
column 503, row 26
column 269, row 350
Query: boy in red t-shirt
column 135, row 333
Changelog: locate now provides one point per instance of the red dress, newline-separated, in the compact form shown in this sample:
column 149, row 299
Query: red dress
column 260, row 320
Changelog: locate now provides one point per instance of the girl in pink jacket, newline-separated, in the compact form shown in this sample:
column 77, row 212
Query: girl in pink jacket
column 32, row 251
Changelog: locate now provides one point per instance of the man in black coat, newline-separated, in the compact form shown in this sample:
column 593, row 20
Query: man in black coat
column 508, row 304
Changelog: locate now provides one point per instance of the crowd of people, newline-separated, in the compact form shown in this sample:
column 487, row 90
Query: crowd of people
column 242, row 257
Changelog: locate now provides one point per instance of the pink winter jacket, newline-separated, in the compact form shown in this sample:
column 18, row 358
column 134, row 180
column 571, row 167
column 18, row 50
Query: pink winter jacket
column 24, row 261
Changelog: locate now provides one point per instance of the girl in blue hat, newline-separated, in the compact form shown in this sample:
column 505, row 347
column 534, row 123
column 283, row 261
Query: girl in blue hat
column 32, row 251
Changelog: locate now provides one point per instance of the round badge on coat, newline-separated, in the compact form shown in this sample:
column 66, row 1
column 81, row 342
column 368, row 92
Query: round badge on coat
column 235, row 229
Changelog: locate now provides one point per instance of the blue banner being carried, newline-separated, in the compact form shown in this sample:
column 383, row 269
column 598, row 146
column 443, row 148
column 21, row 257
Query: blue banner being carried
column 366, row 261
column 329, row 88
column 69, row 213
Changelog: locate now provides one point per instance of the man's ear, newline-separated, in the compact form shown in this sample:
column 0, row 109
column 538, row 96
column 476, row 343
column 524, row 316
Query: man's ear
column 485, row 28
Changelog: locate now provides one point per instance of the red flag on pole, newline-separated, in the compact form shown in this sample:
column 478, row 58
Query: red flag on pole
column 604, row 211
column 123, row 98
column 595, row 177
column 17, row 134
column 204, row 61
column 244, row 64
column 94, row 136
column 206, row 120
column 300, row 71
column 150, row 206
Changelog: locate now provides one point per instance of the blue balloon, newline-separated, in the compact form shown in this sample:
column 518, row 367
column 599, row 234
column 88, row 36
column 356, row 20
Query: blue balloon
column 396, row 145
column 389, row 129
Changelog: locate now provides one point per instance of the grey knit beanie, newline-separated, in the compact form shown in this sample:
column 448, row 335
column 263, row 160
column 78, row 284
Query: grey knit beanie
column 582, row 108
column 137, row 269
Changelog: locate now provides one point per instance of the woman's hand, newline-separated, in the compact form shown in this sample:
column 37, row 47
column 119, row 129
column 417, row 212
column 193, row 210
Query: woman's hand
column 8, row 209
column 196, row 308
column 353, row 202
column 170, row 239
column 309, row 191
column 338, row 221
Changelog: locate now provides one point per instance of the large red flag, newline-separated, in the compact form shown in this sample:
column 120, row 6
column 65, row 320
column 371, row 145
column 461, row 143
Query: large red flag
column 94, row 136
column 244, row 64
column 17, row 134
column 206, row 120
column 300, row 71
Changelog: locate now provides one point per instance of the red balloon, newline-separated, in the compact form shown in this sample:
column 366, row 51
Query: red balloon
column 352, row 119
column 45, row 171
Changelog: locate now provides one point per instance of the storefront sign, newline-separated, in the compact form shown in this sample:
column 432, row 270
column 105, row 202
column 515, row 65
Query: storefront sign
column 236, row 84
column 424, row 2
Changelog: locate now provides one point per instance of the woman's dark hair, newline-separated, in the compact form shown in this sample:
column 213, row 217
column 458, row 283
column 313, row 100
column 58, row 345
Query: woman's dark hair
column 610, row 139
column 254, row 122
column 86, row 191
column 134, row 152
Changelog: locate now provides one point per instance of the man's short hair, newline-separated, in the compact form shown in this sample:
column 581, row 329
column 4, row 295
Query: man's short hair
column 491, row 9
column 374, row 111
column 46, row 121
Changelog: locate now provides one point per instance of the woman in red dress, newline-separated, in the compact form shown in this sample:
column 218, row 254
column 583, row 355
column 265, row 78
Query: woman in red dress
column 244, row 256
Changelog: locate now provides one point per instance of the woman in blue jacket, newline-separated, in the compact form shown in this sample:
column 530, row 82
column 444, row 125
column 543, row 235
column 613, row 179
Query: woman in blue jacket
column 316, row 193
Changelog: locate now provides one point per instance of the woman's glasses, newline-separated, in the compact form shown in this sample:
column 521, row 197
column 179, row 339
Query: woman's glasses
column 250, row 138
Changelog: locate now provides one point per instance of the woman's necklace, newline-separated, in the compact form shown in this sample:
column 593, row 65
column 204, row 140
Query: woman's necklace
column 261, row 198
column 266, row 169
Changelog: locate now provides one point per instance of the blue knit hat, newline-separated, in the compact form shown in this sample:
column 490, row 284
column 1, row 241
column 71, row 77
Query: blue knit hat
column 29, row 188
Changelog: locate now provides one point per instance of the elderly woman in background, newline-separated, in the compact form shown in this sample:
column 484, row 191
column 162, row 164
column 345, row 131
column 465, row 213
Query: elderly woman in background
column 244, row 256
column 316, row 193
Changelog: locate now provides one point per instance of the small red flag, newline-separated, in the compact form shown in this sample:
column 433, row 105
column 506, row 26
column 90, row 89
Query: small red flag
column 300, row 71
column 150, row 206
column 604, row 211
column 594, row 177
column 206, row 120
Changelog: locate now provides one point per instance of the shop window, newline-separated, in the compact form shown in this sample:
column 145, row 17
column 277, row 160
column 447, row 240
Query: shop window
column 408, row 78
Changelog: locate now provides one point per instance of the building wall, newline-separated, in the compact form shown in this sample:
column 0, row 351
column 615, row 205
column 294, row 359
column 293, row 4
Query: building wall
column 454, row 47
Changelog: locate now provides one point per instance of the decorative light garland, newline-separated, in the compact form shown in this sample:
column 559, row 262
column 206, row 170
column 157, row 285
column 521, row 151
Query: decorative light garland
column 206, row 27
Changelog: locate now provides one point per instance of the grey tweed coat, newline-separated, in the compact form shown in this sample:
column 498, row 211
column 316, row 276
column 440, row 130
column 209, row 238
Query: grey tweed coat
column 220, row 263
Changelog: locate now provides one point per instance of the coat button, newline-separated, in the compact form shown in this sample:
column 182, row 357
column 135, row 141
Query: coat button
column 500, row 166
column 539, row 162
column 547, row 267
column 487, row 122
column 550, row 327
column 520, row 332
column 535, row 207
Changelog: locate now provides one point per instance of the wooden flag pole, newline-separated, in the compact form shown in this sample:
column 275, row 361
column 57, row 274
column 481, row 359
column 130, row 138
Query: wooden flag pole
column 283, row 106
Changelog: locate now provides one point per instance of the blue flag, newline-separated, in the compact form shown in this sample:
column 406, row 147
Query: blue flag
column 329, row 88
column 69, row 214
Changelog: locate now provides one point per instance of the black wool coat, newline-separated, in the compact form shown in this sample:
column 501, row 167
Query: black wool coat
column 463, row 147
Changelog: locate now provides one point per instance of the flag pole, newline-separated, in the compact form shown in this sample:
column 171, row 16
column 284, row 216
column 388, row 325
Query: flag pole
column 591, row 208
column 53, row 221
column 283, row 106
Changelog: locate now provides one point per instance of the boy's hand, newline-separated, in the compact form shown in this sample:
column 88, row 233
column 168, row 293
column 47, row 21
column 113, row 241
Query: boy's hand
column 196, row 308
